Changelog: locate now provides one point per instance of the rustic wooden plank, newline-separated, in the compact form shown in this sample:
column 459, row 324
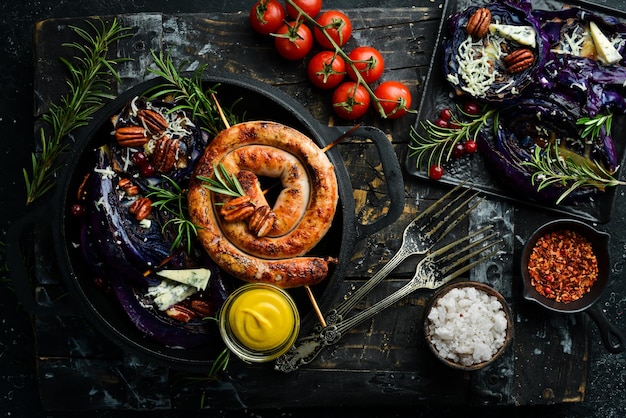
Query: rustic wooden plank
column 384, row 359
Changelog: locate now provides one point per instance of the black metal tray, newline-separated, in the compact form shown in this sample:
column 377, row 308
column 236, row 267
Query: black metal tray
column 437, row 93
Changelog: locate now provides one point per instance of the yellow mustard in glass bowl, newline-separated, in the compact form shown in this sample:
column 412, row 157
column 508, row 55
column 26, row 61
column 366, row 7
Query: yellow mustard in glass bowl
column 259, row 322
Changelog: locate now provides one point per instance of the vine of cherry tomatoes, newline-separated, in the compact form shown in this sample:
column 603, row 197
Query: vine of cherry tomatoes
column 300, row 25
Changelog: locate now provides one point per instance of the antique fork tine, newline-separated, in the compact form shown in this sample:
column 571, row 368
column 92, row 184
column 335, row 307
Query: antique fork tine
column 433, row 271
column 418, row 237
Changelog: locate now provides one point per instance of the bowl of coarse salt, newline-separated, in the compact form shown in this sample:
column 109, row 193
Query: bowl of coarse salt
column 468, row 325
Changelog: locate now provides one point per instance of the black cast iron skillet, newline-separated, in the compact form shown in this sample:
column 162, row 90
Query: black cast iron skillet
column 612, row 337
column 258, row 101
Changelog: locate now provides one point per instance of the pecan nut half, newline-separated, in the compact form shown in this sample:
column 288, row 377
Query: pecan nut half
column 262, row 221
column 519, row 60
column 168, row 154
column 478, row 23
column 131, row 136
column 237, row 209
column 141, row 208
column 153, row 121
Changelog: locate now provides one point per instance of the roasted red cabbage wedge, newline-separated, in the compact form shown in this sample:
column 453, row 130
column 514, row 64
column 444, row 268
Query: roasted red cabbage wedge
column 476, row 67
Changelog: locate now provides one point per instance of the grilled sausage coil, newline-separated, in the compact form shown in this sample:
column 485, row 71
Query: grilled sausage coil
column 303, row 211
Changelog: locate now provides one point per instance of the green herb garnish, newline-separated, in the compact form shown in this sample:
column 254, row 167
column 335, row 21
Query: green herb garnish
column 438, row 143
column 593, row 125
column 223, row 183
column 189, row 94
column 553, row 168
column 89, row 86
column 174, row 201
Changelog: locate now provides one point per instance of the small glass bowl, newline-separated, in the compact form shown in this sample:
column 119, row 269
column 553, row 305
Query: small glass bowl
column 240, row 349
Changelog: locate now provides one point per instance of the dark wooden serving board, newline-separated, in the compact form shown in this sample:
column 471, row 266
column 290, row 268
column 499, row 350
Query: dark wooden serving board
column 382, row 362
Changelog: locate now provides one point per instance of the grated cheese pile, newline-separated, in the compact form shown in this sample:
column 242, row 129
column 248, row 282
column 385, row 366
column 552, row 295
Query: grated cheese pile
column 467, row 326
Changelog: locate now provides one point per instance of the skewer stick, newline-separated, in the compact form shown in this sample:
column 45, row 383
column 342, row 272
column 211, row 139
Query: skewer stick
column 341, row 137
column 309, row 292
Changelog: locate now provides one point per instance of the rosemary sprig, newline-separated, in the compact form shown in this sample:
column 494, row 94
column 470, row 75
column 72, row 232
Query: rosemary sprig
column 223, row 183
column 89, row 86
column 174, row 201
column 551, row 168
column 189, row 94
column 439, row 142
column 593, row 125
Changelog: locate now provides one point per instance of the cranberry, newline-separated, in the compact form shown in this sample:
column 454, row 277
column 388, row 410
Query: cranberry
column 471, row 108
column 458, row 150
column 445, row 114
column 441, row 123
column 470, row 146
column 147, row 170
column 435, row 172
column 77, row 210
column 139, row 159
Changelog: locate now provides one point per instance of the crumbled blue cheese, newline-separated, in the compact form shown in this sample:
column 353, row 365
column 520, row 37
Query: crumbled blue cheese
column 606, row 52
column 168, row 293
column 523, row 35
column 198, row 278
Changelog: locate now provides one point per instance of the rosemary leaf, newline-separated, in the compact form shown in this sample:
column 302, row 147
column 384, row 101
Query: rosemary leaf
column 224, row 183
column 88, row 85
column 174, row 201
column 437, row 144
column 189, row 94
column 551, row 168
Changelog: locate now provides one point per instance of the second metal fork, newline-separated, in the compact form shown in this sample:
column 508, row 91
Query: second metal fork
column 421, row 234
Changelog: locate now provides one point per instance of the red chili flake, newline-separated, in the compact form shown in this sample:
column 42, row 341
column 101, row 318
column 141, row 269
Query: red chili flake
column 562, row 266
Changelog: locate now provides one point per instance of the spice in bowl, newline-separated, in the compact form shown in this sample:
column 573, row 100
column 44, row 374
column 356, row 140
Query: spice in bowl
column 259, row 322
column 468, row 325
column 562, row 266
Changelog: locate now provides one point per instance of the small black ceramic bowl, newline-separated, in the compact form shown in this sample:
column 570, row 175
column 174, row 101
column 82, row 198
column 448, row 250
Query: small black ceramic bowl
column 468, row 320
column 612, row 337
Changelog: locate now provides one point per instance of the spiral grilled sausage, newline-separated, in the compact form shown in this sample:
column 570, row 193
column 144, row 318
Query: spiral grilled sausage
column 304, row 209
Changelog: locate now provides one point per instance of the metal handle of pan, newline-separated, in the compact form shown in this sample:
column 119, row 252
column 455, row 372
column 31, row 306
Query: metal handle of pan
column 19, row 253
column 613, row 338
column 392, row 176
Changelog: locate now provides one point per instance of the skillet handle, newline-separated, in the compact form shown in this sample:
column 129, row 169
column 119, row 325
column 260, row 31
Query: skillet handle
column 393, row 179
column 17, row 257
column 612, row 337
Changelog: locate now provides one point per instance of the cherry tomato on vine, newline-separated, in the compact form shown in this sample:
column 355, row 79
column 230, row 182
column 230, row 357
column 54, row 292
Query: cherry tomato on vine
column 326, row 70
column 395, row 98
column 310, row 7
column 350, row 100
column 266, row 16
column 435, row 172
column 293, row 40
column 337, row 25
column 368, row 62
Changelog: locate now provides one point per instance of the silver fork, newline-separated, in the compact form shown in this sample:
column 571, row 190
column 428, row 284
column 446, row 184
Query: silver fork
column 434, row 270
column 421, row 234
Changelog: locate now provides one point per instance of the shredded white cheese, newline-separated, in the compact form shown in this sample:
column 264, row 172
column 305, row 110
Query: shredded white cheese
column 476, row 67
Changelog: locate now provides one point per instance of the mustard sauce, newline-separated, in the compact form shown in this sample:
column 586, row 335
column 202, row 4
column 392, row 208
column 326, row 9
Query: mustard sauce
column 261, row 319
